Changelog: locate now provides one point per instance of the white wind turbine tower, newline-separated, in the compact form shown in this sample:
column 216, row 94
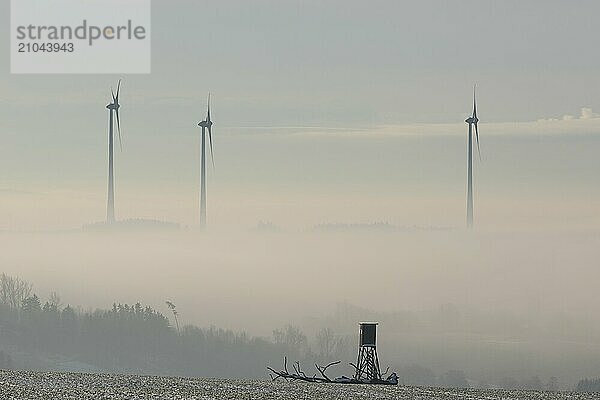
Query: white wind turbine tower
column 206, row 124
column 472, row 122
column 113, row 109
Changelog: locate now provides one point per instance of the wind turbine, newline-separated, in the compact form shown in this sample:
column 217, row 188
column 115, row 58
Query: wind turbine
column 206, row 124
column 113, row 108
column 472, row 121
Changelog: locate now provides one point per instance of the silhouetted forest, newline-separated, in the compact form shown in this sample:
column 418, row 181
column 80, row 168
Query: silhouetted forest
column 39, row 334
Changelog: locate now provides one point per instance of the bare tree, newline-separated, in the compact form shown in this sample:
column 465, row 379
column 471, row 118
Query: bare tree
column 54, row 301
column 326, row 343
column 13, row 291
column 173, row 309
column 292, row 337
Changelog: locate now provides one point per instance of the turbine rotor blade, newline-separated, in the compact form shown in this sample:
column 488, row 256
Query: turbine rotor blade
column 474, row 102
column 477, row 140
column 119, row 129
column 208, row 111
column 118, row 90
column 212, row 157
column 113, row 95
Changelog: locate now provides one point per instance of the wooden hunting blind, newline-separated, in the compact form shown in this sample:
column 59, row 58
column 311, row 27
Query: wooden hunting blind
column 367, row 364
column 368, row 335
column 366, row 368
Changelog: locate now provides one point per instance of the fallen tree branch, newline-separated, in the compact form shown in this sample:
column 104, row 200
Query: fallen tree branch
column 299, row 374
column 386, row 371
column 323, row 369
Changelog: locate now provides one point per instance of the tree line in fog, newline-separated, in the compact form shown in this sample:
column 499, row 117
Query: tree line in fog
column 45, row 334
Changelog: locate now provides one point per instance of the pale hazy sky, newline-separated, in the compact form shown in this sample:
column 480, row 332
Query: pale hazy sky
column 316, row 102
column 324, row 112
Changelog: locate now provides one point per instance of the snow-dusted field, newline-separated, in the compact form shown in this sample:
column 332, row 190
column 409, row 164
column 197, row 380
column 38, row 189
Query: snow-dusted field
column 58, row 386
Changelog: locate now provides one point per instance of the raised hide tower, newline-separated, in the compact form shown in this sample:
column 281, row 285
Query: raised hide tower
column 367, row 364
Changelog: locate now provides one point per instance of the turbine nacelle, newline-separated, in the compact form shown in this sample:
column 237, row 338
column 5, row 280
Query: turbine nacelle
column 472, row 120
